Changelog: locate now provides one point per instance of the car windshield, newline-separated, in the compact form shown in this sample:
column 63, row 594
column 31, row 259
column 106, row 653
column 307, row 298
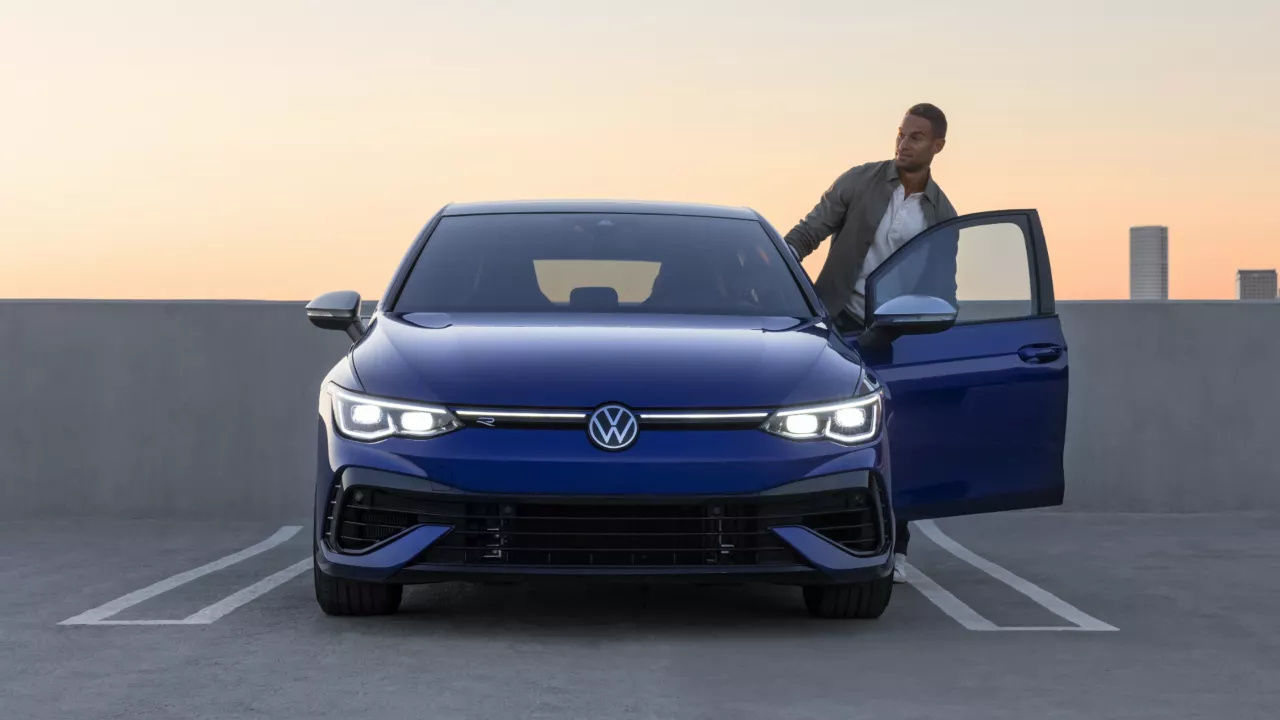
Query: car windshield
column 601, row 262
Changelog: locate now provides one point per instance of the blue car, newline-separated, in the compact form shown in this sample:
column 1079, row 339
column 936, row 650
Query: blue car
column 651, row 391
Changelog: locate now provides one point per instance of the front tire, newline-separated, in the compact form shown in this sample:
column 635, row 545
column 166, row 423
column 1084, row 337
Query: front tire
column 339, row 596
column 865, row 600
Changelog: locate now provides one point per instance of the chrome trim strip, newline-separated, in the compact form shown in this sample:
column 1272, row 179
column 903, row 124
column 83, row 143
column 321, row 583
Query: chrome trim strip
column 704, row 416
column 499, row 414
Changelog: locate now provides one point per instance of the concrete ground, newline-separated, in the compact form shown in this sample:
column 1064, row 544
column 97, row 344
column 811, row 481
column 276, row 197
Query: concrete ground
column 1193, row 600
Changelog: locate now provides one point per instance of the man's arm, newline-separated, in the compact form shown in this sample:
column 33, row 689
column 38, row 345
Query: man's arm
column 825, row 218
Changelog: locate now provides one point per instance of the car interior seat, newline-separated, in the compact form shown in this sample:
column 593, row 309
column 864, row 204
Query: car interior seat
column 593, row 299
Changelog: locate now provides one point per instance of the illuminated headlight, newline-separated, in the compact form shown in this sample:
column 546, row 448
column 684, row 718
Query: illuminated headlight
column 850, row 422
column 364, row 417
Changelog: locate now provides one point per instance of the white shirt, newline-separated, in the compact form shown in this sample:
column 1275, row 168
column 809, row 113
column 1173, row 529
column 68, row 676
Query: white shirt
column 903, row 220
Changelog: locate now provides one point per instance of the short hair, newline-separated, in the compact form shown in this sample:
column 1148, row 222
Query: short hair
column 935, row 117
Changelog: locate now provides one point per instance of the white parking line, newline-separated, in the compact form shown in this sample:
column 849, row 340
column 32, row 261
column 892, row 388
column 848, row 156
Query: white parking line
column 1080, row 620
column 235, row 600
column 946, row 602
column 955, row 608
column 99, row 615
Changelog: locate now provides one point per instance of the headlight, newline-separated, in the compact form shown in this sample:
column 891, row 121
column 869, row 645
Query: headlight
column 363, row 417
column 851, row 422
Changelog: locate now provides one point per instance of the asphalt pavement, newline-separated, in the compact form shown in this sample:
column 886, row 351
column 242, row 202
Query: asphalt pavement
column 1014, row 615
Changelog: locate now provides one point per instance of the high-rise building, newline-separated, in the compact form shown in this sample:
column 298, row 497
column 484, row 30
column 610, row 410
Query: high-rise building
column 1149, row 262
column 1256, row 284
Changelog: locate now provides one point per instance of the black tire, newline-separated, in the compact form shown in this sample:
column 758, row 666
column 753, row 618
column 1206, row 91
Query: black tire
column 339, row 596
column 866, row 600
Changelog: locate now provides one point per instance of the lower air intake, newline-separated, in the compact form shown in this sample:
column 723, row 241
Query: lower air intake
column 623, row 532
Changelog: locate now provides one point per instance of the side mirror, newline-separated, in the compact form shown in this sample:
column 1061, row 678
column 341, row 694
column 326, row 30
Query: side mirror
column 338, row 310
column 917, row 314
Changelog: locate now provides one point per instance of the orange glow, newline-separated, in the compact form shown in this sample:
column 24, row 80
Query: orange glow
column 164, row 150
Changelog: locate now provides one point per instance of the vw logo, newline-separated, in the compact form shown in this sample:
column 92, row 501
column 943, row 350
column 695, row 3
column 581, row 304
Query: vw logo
column 612, row 427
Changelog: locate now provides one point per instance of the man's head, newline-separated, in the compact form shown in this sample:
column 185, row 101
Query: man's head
column 922, row 135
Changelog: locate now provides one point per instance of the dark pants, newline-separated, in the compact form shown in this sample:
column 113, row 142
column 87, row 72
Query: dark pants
column 847, row 324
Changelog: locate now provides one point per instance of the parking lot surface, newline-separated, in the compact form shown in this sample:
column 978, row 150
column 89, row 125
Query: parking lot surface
column 1015, row 615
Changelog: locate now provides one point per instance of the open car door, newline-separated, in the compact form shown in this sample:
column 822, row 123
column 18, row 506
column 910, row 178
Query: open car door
column 978, row 411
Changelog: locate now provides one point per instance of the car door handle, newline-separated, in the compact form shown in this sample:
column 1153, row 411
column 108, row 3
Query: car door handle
column 1040, row 352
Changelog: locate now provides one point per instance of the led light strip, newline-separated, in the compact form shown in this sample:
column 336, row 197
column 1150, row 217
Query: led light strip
column 654, row 416
column 519, row 414
column 705, row 416
column 363, row 399
column 863, row 401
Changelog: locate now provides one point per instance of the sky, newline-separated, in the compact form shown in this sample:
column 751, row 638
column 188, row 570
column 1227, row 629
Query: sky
column 279, row 150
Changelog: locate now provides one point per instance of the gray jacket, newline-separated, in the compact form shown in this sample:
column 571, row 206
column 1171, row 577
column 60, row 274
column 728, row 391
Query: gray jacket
column 851, row 208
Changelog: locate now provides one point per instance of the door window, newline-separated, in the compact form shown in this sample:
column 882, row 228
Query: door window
column 984, row 267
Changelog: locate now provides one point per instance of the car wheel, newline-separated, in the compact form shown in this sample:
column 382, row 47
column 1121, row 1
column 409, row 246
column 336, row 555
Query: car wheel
column 339, row 596
column 866, row 600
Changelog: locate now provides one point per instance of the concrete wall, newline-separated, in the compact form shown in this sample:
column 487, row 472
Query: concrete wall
column 206, row 409
column 159, row 409
column 1175, row 406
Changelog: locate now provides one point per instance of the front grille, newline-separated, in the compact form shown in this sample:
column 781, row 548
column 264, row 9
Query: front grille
column 530, row 532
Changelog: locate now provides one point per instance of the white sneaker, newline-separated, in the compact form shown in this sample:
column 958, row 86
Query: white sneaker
column 899, row 568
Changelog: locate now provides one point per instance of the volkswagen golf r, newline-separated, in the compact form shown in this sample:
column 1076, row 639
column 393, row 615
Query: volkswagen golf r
column 654, row 392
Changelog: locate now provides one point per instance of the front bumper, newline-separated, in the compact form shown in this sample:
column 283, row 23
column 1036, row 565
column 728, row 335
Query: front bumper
column 387, row 527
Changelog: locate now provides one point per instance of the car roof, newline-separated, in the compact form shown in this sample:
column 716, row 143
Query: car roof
column 599, row 206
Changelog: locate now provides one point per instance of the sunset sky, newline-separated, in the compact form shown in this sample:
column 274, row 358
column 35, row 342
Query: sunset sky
column 278, row 150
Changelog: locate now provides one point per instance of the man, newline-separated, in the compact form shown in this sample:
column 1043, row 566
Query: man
column 873, row 209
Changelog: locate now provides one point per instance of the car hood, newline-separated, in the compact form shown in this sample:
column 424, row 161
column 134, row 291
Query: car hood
column 583, row 360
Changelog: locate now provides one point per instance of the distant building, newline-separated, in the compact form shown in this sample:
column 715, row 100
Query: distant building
column 1149, row 262
column 1256, row 284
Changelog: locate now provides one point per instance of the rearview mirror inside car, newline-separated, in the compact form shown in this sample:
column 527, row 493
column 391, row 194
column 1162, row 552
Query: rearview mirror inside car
column 338, row 310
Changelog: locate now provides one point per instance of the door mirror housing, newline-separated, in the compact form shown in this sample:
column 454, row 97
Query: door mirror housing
column 914, row 314
column 339, row 310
